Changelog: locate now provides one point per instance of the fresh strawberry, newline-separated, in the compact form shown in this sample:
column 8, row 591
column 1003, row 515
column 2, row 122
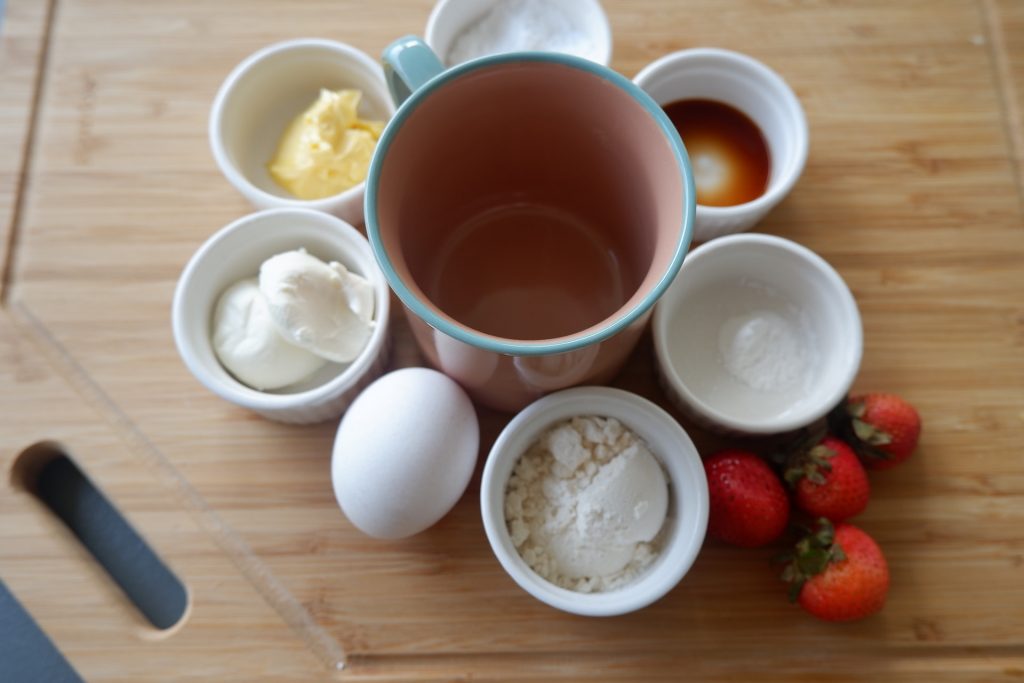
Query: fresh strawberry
column 828, row 480
column 838, row 573
column 882, row 428
column 749, row 507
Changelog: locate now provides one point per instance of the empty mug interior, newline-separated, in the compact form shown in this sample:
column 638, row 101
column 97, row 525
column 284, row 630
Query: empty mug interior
column 530, row 200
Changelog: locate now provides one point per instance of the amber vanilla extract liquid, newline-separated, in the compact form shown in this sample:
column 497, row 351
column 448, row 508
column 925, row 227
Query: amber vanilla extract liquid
column 728, row 152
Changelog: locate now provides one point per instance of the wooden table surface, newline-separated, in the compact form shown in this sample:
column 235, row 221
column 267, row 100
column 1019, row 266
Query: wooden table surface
column 913, row 191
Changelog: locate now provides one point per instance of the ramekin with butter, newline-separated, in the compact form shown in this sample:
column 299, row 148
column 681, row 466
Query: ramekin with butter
column 271, row 105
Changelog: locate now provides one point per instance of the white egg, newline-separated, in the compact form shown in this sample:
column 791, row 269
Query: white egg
column 404, row 453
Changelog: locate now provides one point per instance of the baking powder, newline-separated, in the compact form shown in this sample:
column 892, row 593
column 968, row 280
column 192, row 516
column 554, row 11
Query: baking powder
column 764, row 350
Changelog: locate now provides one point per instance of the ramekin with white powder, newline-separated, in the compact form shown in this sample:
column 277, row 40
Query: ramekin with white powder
column 461, row 30
column 586, row 503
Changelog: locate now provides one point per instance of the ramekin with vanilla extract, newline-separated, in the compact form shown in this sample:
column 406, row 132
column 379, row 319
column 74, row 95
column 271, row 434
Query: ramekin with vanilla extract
column 743, row 128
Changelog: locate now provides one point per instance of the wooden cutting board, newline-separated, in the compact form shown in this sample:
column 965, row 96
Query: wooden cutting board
column 913, row 191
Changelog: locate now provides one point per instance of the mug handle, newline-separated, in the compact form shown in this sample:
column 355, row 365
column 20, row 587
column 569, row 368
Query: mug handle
column 408, row 65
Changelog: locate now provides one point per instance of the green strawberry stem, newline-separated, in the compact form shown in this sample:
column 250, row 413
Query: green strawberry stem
column 802, row 441
column 812, row 555
column 870, row 434
column 845, row 422
column 809, row 464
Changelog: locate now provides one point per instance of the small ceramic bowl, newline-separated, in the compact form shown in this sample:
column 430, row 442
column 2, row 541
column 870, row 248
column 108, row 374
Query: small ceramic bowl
column 261, row 97
column 754, row 89
column 756, row 335
column 688, row 496
column 450, row 18
column 235, row 253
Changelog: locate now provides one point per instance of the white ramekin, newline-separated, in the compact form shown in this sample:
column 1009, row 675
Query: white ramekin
column 261, row 97
column 450, row 17
column 235, row 253
column 754, row 89
column 801, row 279
column 688, row 496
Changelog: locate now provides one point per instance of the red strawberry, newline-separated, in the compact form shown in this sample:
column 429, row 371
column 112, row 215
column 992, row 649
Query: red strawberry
column 838, row 574
column 829, row 481
column 749, row 507
column 882, row 428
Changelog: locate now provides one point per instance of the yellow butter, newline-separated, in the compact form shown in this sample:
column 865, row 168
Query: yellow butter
column 327, row 149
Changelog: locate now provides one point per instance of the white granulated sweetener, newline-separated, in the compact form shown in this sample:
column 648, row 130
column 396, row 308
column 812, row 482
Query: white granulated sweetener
column 515, row 25
column 765, row 351
column 586, row 503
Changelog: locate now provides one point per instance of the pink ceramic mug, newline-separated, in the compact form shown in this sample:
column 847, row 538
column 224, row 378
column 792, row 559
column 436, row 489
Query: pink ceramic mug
column 528, row 209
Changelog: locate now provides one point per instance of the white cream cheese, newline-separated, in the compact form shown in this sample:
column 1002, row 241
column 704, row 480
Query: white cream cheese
column 321, row 307
column 248, row 345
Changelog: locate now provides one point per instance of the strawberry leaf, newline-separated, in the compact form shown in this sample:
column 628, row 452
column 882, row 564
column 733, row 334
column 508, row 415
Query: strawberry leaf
column 855, row 408
column 837, row 553
column 792, row 475
column 824, row 534
column 812, row 555
column 795, row 587
column 813, row 562
column 870, row 434
column 868, row 452
column 808, row 461
column 845, row 422
column 821, row 455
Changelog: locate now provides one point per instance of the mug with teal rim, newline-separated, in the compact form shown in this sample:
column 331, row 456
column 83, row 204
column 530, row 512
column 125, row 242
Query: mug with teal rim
column 528, row 209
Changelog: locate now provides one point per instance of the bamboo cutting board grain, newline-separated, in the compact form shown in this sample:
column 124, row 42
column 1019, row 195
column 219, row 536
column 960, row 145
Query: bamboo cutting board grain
column 912, row 191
